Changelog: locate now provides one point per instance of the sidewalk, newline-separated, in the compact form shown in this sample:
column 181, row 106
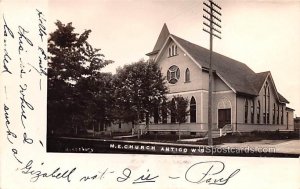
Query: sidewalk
column 281, row 146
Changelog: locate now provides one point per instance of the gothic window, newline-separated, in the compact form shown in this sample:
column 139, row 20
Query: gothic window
column 278, row 114
column 268, row 105
column 173, row 74
column 193, row 110
column 173, row 50
column 246, row 111
column 252, row 111
column 187, row 75
column 173, row 114
column 266, row 115
column 258, row 112
column 274, row 113
column 281, row 115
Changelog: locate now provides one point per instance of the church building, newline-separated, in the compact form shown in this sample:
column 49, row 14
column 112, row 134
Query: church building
column 242, row 99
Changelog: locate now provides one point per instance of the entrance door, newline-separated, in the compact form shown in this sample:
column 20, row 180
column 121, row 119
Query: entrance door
column 224, row 117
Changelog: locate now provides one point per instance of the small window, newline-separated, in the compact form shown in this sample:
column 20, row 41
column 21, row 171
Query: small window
column 173, row 50
column 187, row 75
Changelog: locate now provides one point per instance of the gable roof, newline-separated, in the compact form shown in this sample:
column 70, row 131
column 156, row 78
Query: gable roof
column 238, row 75
column 234, row 72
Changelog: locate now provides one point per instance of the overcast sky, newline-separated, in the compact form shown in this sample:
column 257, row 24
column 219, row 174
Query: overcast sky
column 263, row 34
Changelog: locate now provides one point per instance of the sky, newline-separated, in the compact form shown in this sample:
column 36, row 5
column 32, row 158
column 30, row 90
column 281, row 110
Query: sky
column 264, row 34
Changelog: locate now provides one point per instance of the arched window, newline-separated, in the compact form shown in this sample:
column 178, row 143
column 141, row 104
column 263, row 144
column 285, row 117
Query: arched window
column 274, row 113
column 266, row 115
column 258, row 112
column 187, row 75
column 278, row 114
column 252, row 111
column 173, row 50
column 268, row 105
column 281, row 115
column 173, row 114
column 246, row 111
column 193, row 110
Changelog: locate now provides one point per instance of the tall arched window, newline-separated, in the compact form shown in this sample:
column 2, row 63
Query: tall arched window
column 258, row 112
column 252, row 111
column 170, row 53
column 173, row 114
column 246, row 111
column 187, row 75
column 193, row 110
column 175, row 50
column 266, row 104
column 274, row 113
column 281, row 115
column 278, row 114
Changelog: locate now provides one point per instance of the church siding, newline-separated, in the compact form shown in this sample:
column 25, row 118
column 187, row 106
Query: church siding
column 183, row 62
column 224, row 95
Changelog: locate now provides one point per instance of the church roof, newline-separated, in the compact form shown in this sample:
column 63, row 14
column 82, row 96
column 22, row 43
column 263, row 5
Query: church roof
column 235, row 73
column 238, row 75
column 164, row 34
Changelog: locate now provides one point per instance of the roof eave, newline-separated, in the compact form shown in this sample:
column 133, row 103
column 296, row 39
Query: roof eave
column 152, row 53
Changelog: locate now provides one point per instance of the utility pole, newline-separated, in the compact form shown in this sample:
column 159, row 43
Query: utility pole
column 213, row 31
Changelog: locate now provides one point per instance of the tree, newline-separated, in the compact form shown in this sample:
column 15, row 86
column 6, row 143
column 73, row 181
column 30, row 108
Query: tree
column 74, row 71
column 139, row 90
column 178, row 110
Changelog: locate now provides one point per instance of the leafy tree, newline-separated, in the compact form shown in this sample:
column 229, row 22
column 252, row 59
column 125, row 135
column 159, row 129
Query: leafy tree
column 139, row 90
column 178, row 110
column 74, row 71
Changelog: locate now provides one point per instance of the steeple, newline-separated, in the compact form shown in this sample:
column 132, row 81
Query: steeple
column 161, row 38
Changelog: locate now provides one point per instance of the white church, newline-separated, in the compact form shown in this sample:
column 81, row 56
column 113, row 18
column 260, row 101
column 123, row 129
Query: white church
column 244, row 100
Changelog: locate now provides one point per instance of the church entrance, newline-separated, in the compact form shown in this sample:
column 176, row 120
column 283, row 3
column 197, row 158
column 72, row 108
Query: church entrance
column 224, row 117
